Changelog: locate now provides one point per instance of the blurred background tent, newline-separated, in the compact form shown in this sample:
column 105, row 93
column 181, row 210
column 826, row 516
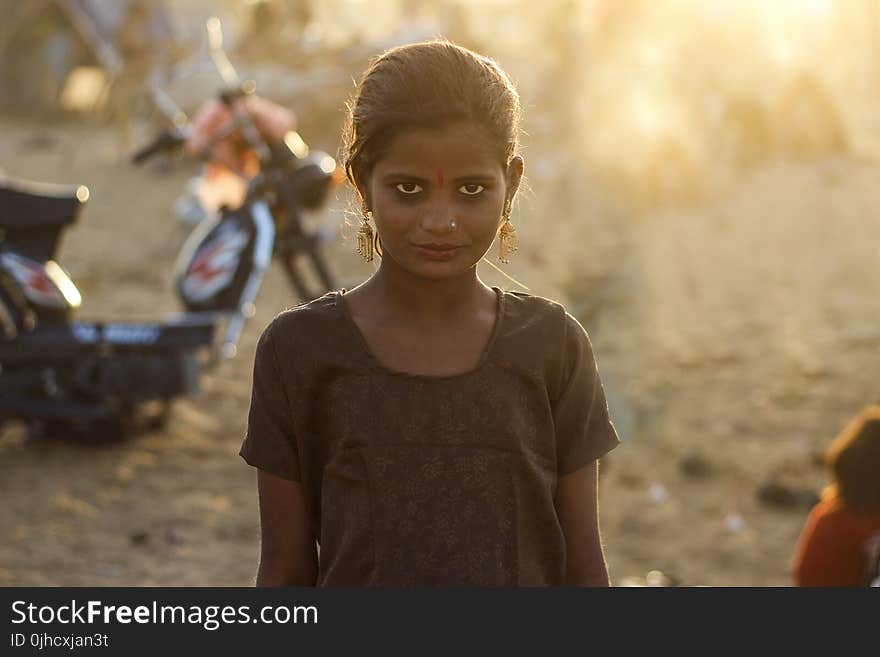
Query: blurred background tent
column 686, row 93
column 70, row 53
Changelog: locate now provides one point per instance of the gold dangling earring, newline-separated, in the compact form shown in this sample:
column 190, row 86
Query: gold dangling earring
column 507, row 242
column 365, row 236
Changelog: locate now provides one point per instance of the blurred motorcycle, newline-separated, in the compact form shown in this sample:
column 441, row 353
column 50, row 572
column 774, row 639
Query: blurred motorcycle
column 241, row 136
column 93, row 378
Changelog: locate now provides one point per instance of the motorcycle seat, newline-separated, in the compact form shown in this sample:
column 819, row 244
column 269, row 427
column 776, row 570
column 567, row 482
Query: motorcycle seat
column 27, row 205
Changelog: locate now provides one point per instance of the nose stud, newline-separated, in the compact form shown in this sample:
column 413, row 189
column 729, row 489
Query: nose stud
column 452, row 225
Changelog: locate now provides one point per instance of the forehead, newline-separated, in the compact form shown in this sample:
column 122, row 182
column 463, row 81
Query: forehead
column 452, row 149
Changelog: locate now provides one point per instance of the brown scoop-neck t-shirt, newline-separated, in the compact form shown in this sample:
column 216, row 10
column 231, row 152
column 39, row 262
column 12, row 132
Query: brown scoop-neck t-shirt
column 416, row 480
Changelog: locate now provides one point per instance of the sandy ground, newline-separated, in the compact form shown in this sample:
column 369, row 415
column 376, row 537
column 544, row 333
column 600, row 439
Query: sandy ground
column 735, row 339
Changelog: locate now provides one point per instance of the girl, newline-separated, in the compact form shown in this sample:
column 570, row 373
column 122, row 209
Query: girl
column 840, row 542
column 425, row 429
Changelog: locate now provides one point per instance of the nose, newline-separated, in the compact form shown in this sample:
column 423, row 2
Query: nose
column 439, row 217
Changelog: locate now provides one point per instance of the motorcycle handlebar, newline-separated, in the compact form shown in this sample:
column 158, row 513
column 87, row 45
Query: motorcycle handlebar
column 228, row 95
column 242, row 120
column 167, row 140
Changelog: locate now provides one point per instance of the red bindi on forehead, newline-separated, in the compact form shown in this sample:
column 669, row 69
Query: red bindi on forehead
column 440, row 177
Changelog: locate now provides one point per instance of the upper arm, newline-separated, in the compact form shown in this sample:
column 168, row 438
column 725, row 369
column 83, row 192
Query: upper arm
column 270, row 441
column 577, row 507
column 584, row 431
column 288, row 555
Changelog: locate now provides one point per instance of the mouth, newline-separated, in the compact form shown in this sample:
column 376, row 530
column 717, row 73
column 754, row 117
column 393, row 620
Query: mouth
column 438, row 247
column 438, row 251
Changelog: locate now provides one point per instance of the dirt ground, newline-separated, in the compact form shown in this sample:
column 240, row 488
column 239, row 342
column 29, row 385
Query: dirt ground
column 735, row 340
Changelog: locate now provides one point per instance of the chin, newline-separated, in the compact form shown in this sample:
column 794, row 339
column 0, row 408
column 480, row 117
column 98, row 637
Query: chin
column 437, row 270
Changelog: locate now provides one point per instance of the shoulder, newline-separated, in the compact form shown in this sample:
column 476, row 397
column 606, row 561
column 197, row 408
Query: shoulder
column 548, row 319
column 828, row 507
column 541, row 331
column 534, row 312
column 533, row 302
column 831, row 513
column 302, row 341
column 304, row 320
column 307, row 333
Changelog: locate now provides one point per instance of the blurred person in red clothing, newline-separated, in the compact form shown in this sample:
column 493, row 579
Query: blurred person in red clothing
column 840, row 542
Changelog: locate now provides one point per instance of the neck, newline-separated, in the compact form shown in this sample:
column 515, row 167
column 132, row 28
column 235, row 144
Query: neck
column 425, row 299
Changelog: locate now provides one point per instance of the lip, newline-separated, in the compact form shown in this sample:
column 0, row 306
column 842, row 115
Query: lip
column 438, row 251
column 438, row 247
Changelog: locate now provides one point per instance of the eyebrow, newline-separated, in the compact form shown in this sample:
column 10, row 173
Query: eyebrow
column 403, row 176
column 481, row 177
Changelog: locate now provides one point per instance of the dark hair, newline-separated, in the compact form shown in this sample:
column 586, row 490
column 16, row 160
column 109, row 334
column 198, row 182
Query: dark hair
column 854, row 462
column 427, row 85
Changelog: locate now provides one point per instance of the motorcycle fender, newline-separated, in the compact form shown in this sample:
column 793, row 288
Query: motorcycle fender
column 43, row 284
column 218, row 261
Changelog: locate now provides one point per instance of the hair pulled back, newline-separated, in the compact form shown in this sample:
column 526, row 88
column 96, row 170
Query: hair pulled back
column 428, row 85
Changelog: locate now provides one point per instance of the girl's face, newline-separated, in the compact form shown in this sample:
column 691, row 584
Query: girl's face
column 437, row 196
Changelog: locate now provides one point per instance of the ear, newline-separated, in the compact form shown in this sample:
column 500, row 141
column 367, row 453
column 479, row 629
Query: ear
column 514, row 175
column 364, row 199
column 362, row 188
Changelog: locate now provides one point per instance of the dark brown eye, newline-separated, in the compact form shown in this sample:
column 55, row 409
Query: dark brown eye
column 408, row 188
column 471, row 189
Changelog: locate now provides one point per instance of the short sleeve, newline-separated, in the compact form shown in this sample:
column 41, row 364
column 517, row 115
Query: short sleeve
column 584, row 431
column 269, row 443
